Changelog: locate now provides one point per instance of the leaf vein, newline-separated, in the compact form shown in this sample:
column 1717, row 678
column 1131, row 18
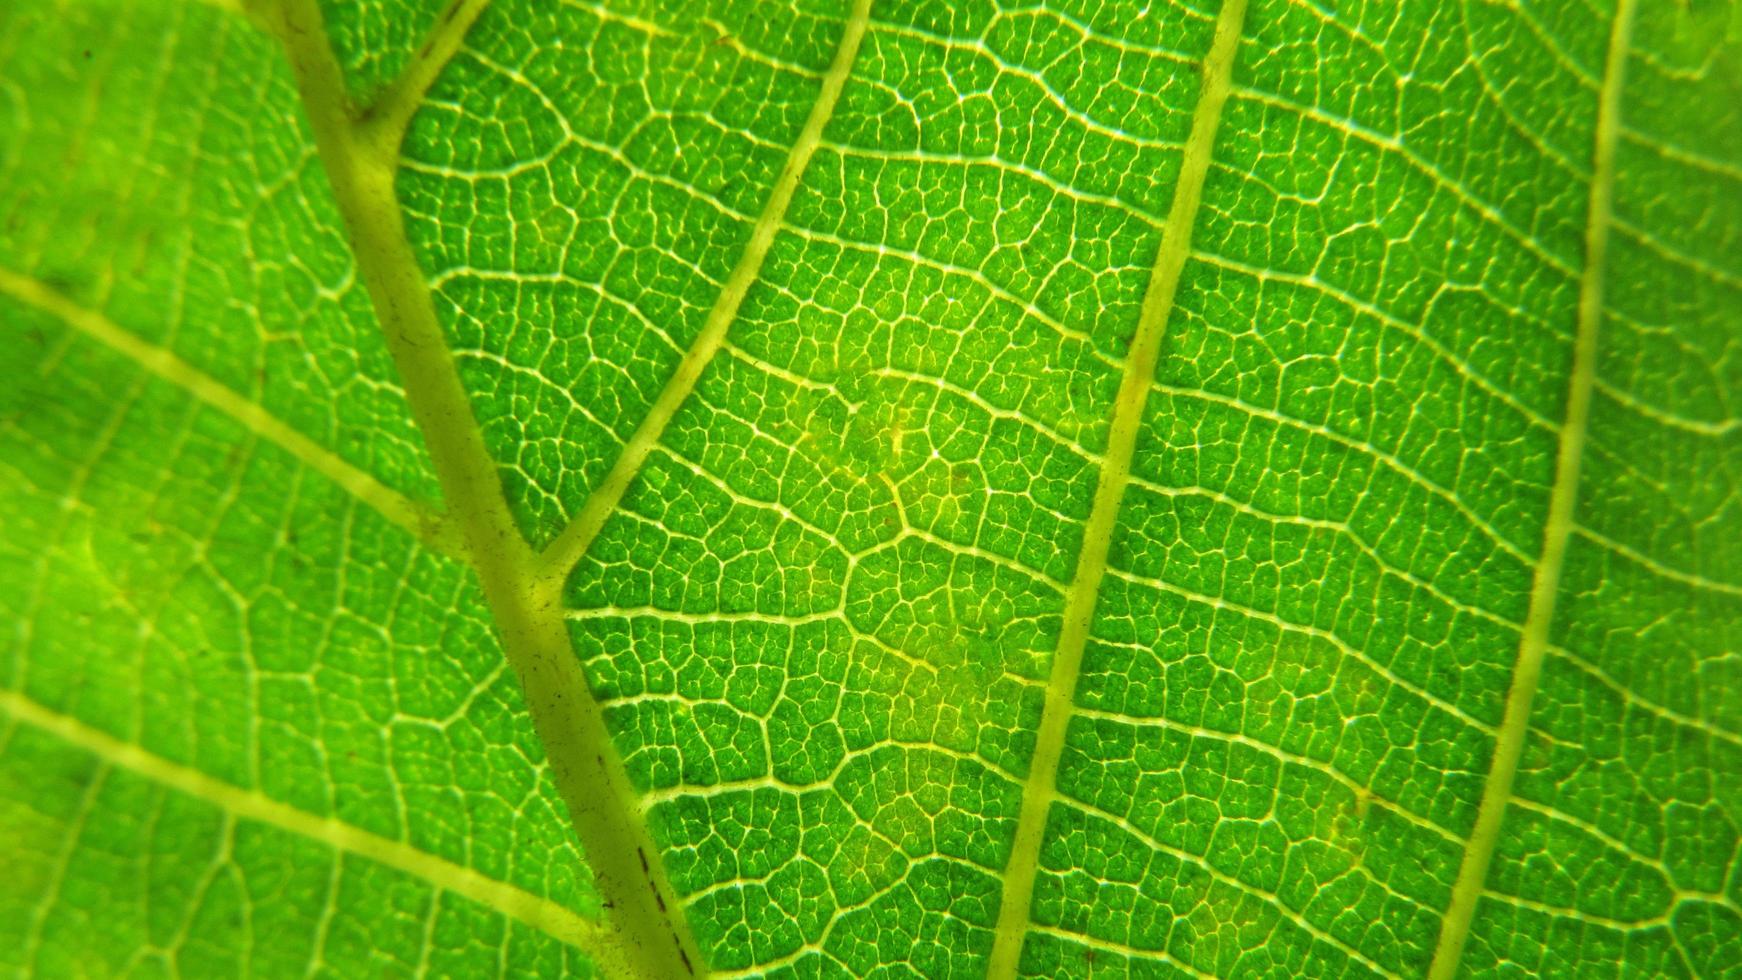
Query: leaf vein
column 1145, row 351
column 428, row 527
column 542, row 914
column 584, row 526
column 1558, row 528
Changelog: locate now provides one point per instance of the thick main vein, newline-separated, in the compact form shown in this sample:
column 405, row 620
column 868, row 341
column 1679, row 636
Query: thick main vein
column 1534, row 641
column 1134, row 387
column 574, row 540
column 361, row 160
column 421, row 521
column 598, row 941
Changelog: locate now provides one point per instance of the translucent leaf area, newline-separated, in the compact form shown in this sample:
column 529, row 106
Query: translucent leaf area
column 870, row 488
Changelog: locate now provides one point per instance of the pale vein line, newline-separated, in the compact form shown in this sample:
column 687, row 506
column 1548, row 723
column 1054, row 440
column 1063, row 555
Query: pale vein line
column 1641, row 703
column 1685, row 157
column 1666, row 418
column 360, row 169
column 699, row 619
column 1658, row 568
column 1274, row 900
column 1041, row 786
column 821, row 948
column 391, row 112
column 1557, row 532
column 725, row 38
column 1397, row 145
column 1121, row 949
column 666, row 794
column 1547, row 39
column 539, row 913
column 1058, row 186
column 1591, row 918
column 776, row 507
column 1282, row 756
column 574, row 540
column 1390, row 461
column 52, row 890
column 423, row 523
column 1655, row 862
column 1343, row 647
column 1110, row 131
column 638, row 24
column 1675, row 256
column 976, row 275
column 1342, row 529
column 1043, row 429
column 1452, row 360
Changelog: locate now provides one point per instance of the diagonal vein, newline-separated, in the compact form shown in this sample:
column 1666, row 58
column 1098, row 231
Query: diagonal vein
column 390, row 113
column 583, row 762
column 555, row 920
column 1134, row 387
column 1563, row 495
column 421, row 521
column 574, row 540
column 523, row 590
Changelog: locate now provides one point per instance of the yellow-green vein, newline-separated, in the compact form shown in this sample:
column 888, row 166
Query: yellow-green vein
column 361, row 167
column 599, row 942
column 574, row 540
column 386, row 118
column 423, row 522
column 1140, row 362
column 1534, row 641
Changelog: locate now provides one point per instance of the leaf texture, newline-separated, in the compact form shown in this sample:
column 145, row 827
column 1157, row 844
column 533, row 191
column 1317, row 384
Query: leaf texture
column 885, row 488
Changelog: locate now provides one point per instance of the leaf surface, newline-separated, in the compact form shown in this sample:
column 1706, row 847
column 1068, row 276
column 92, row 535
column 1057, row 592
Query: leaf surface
column 871, row 489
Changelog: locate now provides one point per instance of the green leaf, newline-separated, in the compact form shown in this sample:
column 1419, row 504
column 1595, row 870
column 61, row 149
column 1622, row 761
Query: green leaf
column 890, row 488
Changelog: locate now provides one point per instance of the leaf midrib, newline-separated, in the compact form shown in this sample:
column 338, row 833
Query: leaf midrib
column 360, row 152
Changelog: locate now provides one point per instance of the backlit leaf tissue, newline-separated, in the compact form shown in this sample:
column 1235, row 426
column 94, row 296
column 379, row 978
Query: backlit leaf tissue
column 655, row 489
